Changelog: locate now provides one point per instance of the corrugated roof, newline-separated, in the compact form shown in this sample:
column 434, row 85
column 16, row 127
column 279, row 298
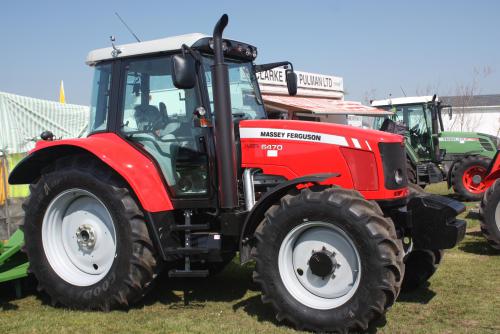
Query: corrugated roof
column 23, row 119
column 322, row 105
column 472, row 101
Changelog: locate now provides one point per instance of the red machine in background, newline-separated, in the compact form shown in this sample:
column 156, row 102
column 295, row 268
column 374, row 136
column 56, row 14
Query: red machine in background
column 490, row 204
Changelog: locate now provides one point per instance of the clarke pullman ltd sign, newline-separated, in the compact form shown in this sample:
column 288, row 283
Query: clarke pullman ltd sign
column 305, row 80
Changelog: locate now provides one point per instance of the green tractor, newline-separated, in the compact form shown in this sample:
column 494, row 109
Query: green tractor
column 435, row 155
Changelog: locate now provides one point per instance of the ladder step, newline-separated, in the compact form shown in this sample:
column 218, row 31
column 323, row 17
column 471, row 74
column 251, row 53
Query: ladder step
column 186, row 273
column 195, row 227
column 186, row 250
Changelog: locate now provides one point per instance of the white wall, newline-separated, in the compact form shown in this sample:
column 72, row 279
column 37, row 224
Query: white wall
column 474, row 120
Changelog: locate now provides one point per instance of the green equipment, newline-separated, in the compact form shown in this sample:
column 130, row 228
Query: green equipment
column 435, row 155
column 13, row 262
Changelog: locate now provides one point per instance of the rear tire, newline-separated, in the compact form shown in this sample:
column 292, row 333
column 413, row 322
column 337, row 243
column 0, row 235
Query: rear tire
column 490, row 211
column 411, row 172
column 129, row 263
column 467, row 176
column 351, row 302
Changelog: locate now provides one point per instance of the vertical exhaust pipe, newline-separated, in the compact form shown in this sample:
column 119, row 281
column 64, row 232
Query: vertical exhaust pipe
column 224, row 131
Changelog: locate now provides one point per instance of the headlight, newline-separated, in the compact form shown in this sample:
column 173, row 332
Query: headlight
column 398, row 176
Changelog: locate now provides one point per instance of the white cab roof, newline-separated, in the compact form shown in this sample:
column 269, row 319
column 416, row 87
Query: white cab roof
column 146, row 47
column 402, row 100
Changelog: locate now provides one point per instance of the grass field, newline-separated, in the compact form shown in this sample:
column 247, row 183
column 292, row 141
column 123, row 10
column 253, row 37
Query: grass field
column 462, row 297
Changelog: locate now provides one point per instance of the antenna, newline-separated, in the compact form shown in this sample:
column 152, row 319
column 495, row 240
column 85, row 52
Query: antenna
column 128, row 28
column 402, row 90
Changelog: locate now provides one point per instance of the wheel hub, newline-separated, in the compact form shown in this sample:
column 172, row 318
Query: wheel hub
column 476, row 179
column 322, row 263
column 86, row 237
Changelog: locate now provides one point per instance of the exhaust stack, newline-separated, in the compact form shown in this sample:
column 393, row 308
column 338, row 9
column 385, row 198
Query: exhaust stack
column 224, row 129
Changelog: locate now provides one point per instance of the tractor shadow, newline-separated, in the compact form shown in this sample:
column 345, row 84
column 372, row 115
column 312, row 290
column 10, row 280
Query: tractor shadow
column 477, row 246
column 421, row 295
column 14, row 290
column 229, row 285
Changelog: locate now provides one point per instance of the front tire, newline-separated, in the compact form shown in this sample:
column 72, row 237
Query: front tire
column 420, row 265
column 467, row 176
column 355, row 267
column 490, row 211
column 86, row 239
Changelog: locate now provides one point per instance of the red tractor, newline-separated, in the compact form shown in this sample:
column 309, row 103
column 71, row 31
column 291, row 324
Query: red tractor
column 490, row 205
column 181, row 170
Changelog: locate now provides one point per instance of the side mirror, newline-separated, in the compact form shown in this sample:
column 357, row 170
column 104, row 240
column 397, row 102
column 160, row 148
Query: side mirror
column 183, row 71
column 291, row 82
column 450, row 113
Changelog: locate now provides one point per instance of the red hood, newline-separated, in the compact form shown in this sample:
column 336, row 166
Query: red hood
column 347, row 131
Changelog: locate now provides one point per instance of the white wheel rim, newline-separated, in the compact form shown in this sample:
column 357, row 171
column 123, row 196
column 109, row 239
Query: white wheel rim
column 309, row 289
column 78, row 237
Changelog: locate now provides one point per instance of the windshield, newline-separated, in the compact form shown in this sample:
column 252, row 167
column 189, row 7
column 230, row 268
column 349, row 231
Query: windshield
column 246, row 102
column 416, row 118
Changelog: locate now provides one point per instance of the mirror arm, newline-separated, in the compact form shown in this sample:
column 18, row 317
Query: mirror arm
column 196, row 54
column 270, row 66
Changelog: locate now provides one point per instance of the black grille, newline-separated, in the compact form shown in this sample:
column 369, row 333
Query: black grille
column 485, row 143
column 393, row 158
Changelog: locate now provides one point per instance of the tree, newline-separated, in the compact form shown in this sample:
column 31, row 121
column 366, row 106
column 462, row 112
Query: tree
column 465, row 93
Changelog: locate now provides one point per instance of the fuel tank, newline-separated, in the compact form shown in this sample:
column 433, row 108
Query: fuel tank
column 367, row 160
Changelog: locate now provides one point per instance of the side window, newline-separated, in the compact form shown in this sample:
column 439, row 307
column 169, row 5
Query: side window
column 99, row 104
column 159, row 117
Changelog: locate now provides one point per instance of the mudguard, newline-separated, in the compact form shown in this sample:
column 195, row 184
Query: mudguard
column 493, row 171
column 135, row 167
column 255, row 216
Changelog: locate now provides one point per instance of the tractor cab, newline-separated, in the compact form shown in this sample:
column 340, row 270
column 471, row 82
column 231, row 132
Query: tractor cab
column 159, row 96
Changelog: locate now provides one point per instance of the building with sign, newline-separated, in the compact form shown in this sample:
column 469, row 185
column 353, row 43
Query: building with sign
column 319, row 98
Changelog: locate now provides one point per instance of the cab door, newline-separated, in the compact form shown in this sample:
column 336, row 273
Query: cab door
column 158, row 118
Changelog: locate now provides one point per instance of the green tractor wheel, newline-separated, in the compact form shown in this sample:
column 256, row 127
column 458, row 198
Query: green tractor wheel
column 467, row 177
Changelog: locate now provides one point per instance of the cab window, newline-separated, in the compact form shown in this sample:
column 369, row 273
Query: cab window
column 99, row 103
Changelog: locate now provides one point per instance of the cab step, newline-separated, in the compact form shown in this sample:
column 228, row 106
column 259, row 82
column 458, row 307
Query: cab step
column 188, row 273
column 189, row 227
column 186, row 250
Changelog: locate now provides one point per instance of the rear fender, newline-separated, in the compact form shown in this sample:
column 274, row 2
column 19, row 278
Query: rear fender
column 493, row 170
column 135, row 168
column 273, row 196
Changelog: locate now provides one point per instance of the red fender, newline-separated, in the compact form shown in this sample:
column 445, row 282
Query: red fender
column 494, row 171
column 135, row 167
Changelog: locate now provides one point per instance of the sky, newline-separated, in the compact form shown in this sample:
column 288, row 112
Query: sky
column 378, row 47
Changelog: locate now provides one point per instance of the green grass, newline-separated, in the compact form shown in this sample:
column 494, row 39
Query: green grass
column 462, row 297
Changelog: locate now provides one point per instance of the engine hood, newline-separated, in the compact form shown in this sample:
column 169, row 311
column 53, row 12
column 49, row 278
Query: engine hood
column 343, row 135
